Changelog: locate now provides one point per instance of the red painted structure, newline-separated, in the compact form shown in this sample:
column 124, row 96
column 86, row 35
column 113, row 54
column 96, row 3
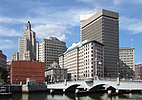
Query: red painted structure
column 20, row 70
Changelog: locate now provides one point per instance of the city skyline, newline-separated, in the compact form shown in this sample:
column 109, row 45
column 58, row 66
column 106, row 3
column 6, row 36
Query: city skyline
column 48, row 20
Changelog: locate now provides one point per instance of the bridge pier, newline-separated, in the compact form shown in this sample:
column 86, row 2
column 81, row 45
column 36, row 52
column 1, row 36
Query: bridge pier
column 117, row 91
column 51, row 91
column 64, row 90
column 76, row 91
column 109, row 92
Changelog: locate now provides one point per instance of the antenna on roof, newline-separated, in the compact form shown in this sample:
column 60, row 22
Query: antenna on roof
column 132, row 42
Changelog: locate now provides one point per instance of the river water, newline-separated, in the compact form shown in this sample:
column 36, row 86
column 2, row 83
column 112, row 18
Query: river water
column 47, row 96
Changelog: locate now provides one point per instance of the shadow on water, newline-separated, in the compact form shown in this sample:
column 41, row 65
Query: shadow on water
column 72, row 96
column 16, row 96
column 130, row 96
column 37, row 96
column 92, row 96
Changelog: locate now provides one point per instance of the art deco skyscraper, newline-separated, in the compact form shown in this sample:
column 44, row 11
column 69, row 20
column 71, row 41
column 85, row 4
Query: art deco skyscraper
column 26, row 45
column 104, row 28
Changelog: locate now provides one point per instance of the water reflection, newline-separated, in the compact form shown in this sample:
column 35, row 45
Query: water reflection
column 94, row 96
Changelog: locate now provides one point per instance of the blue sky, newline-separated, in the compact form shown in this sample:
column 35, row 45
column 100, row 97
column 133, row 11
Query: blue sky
column 61, row 18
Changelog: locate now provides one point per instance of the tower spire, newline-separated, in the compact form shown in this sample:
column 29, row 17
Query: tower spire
column 28, row 26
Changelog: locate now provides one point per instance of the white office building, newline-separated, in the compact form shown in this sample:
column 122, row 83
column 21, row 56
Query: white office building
column 83, row 60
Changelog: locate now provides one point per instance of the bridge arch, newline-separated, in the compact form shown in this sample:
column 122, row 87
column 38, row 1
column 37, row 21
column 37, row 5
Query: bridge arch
column 72, row 87
column 98, row 87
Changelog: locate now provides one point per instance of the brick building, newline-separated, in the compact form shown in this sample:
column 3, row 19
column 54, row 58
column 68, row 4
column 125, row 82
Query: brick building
column 21, row 70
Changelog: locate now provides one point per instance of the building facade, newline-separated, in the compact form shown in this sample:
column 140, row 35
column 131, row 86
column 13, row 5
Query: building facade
column 127, row 64
column 83, row 60
column 138, row 72
column 49, row 50
column 126, row 55
column 26, row 45
column 55, row 73
column 15, row 56
column 104, row 28
column 3, row 59
column 21, row 70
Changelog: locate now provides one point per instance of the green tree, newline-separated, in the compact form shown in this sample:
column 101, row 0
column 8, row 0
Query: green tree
column 4, row 76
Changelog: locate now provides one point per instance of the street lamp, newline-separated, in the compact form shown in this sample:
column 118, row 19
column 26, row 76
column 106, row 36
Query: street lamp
column 96, row 67
column 108, row 75
column 118, row 79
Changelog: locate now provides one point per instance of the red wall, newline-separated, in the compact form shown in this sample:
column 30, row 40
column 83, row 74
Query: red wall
column 20, row 70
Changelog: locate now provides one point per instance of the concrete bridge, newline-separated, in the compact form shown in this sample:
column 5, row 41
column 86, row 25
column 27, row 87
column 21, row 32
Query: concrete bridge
column 94, row 85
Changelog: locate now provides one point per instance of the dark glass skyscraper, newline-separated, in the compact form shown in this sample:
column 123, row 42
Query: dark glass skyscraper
column 104, row 28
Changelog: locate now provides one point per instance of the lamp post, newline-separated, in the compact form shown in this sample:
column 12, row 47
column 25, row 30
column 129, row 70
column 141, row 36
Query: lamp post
column 108, row 75
column 96, row 65
column 118, row 79
column 95, row 62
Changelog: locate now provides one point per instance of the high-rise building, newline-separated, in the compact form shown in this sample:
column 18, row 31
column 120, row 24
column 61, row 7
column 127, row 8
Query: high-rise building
column 127, row 64
column 26, row 45
column 104, row 28
column 3, row 58
column 84, row 60
column 49, row 50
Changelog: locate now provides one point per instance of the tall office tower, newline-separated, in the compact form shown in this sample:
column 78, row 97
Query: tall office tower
column 84, row 60
column 26, row 45
column 50, row 49
column 126, row 56
column 104, row 28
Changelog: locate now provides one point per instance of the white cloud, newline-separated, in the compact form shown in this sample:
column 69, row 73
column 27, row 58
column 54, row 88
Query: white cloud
column 69, row 17
column 118, row 2
column 131, row 24
column 46, row 31
column 6, row 44
column 57, row 24
column 87, row 1
column 8, row 32
column 137, row 1
column 138, row 63
column 4, row 19
column 50, row 22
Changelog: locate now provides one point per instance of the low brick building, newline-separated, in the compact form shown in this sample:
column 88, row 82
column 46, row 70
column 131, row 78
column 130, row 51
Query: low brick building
column 21, row 70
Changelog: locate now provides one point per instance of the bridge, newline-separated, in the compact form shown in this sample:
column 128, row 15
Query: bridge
column 95, row 85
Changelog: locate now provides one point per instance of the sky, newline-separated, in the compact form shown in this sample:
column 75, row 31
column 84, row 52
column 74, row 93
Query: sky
column 61, row 19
